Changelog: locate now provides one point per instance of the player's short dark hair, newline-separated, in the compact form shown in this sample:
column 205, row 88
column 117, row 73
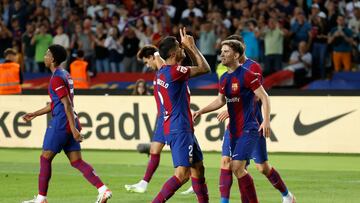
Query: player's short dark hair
column 80, row 53
column 146, row 51
column 235, row 45
column 166, row 45
column 9, row 51
column 59, row 53
column 235, row 37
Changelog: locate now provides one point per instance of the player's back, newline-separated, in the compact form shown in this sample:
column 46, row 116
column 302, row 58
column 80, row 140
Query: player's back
column 174, row 95
column 160, row 109
column 238, row 88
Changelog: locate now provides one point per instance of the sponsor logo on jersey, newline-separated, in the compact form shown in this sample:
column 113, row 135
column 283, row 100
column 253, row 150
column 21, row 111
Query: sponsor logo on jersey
column 234, row 99
column 234, row 87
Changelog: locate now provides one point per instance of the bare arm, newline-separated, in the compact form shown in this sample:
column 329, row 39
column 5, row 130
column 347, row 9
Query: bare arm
column 213, row 106
column 202, row 65
column 263, row 96
column 33, row 40
column 30, row 116
column 331, row 37
column 71, row 119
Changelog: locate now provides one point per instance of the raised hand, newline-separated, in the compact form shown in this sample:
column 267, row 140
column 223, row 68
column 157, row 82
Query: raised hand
column 186, row 40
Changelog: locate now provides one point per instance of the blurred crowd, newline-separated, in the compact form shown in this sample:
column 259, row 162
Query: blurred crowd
column 314, row 36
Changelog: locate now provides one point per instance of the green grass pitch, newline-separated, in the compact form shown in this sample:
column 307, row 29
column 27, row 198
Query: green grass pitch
column 313, row 178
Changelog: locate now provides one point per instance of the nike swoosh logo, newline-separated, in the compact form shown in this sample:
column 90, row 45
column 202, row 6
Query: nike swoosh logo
column 302, row 130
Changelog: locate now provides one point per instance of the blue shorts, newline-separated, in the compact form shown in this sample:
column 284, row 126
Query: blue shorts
column 158, row 137
column 259, row 154
column 56, row 140
column 158, row 133
column 226, row 150
column 243, row 146
column 185, row 149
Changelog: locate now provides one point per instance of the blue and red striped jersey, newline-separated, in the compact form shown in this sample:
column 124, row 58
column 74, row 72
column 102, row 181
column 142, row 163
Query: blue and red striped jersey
column 174, row 96
column 160, row 109
column 61, row 85
column 256, row 68
column 238, row 87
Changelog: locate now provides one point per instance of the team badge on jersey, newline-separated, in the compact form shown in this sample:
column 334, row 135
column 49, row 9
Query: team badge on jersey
column 234, row 87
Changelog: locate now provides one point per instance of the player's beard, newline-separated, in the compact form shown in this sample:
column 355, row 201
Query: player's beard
column 180, row 56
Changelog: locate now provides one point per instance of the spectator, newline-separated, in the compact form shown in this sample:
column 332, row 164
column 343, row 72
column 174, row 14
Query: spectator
column 191, row 8
column 101, row 51
column 354, row 22
column 5, row 39
column 110, row 6
column 140, row 88
column 143, row 32
column 93, row 8
column 105, row 17
column 250, row 34
column 85, row 41
column 168, row 8
column 131, row 45
column 300, row 30
column 61, row 38
column 16, row 32
column 73, row 20
column 207, row 43
column 300, row 63
column 332, row 12
column 42, row 40
column 315, row 10
column 18, row 11
column 116, row 50
column 286, row 7
column 350, row 7
column 228, row 9
column 341, row 41
column 273, row 39
column 29, row 49
column 5, row 13
column 319, row 40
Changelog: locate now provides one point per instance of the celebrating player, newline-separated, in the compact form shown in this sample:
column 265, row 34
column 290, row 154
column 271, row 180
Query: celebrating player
column 63, row 133
column 151, row 58
column 174, row 96
column 238, row 88
column 259, row 155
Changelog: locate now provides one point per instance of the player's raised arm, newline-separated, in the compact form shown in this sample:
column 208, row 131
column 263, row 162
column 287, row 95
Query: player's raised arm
column 30, row 116
column 202, row 66
column 263, row 96
column 213, row 106
column 158, row 60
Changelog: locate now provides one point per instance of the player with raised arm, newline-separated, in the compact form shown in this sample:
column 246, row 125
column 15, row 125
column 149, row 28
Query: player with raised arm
column 63, row 132
column 174, row 94
column 151, row 58
column 259, row 155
